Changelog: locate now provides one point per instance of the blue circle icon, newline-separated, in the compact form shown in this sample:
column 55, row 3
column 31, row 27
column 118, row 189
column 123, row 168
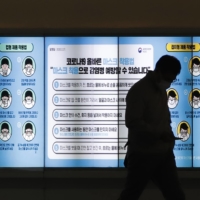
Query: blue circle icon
column 56, row 147
column 56, row 114
column 56, row 84
column 140, row 50
column 56, row 99
column 56, row 130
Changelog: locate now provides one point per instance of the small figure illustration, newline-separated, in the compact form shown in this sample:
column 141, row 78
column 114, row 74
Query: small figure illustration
column 28, row 101
column 28, row 132
column 6, row 99
column 28, row 67
column 4, row 68
column 5, row 133
column 195, row 101
column 183, row 131
column 195, row 67
column 172, row 99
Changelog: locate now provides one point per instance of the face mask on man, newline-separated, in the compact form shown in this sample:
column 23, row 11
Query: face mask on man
column 28, row 69
column 195, row 68
column 171, row 100
column 5, row 101
column 196, row 101
column 28, row 100
column 4, row 71
column 5, row 132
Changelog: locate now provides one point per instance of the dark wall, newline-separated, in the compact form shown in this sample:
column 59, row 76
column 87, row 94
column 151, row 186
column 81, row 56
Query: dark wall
column 77, row 17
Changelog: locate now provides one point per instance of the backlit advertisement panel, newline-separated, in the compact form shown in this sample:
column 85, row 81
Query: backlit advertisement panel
column 63, row 99
column 82, row 102
column 22, row 101
column 194, row 98
column 138, row 55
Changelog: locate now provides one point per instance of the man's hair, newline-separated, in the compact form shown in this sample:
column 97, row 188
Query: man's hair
column 195, row 61
column 28, row 126
column 168, row 64
column 171, row 94
column 28, row 61
column 195, row 94
column 4, row 93
column 184, row 126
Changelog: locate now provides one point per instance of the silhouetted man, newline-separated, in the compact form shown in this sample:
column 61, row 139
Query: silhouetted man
column 150, row 137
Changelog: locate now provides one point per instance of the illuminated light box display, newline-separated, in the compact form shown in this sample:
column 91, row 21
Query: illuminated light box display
column 82, row 77
column 22, row 102
column 72, row 98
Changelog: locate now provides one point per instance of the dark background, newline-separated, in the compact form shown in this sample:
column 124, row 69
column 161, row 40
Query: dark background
column 99, row 17
column 82, row 18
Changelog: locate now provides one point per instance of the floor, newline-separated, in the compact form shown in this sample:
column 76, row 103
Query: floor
column 54, row 187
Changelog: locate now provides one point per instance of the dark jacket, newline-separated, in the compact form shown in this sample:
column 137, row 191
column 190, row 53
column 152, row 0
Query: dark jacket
column 147, row 117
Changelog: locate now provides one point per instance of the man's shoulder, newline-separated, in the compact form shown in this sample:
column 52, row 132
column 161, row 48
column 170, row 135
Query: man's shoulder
column 139, row 88
column 142, row 83
column 144, row 87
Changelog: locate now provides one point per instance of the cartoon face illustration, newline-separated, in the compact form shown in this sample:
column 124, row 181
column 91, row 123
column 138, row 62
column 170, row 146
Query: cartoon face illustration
column 172, row 99
column 28, row 132
column 28, row 67
column 195, row 67
column 28, row 101
column 5, row 100
column 184, row 131
column 5, row 69
column 195, row 101
column 5, row 132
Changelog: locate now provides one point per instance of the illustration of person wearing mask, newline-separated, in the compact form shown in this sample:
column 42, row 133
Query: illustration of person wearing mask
column 5, row 133
column 28, row 132
column 172, row 99
column 195, row 101
column 5, row 69
column 5, row 99
column 195, row 67
column 183, row 132
column 28, row 68
column 28, row 101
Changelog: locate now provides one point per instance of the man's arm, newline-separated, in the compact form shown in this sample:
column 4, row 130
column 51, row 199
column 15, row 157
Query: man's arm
column 134, row 118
